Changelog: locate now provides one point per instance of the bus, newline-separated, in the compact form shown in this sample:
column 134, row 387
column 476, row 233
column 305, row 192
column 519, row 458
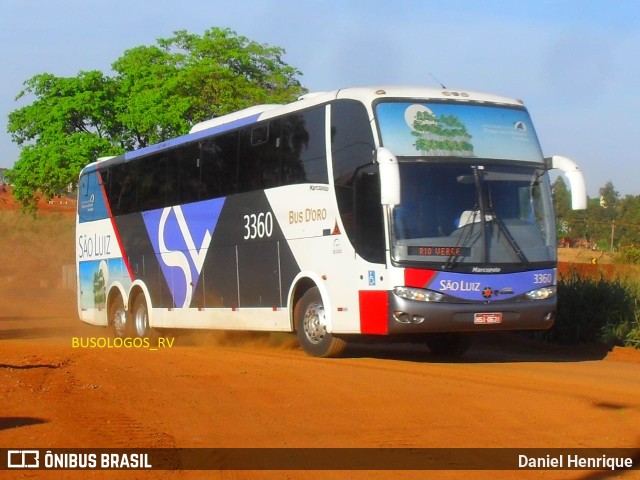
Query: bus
column 363, row 213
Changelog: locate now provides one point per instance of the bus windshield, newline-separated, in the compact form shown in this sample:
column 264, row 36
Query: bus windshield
column 465, row 213
column 470, row 130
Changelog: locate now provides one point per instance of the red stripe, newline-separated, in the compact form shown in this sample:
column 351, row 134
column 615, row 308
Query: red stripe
column 414, row 277
column 374, row 311
column 115, row 228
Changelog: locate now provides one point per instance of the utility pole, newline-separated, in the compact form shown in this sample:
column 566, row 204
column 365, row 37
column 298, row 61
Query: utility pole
column 613, row 229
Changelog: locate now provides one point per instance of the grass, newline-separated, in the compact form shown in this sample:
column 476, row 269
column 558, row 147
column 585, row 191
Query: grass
column 596, row 310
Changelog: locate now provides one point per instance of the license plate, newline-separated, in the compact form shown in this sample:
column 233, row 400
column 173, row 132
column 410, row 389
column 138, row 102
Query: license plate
column 487, row 318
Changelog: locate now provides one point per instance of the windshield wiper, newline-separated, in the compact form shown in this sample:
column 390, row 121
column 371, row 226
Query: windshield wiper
column 479, row 209
column 488, row 213
column 510, row 240
column 483, row 221
column 452, row 260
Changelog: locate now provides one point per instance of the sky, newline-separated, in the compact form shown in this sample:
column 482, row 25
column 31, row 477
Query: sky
column 575, row 63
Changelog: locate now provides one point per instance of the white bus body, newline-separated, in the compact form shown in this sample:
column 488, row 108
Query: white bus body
column 385, row 211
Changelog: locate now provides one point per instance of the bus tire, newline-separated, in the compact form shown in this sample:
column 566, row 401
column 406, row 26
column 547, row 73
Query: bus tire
column 311, row 328
column 119, row 318
column 140, row 319
column 448, row 344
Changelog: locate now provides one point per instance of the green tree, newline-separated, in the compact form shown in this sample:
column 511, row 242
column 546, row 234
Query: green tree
column 67, row 125
column 562, row 207
column 599, row 224
column 628, row 223
column 561, row 198
column 609, row 200
column 157, row 92
column 607, row 217
column 603, row 216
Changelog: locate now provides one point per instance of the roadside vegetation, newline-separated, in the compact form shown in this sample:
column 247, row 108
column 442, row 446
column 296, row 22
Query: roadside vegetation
column 598, row 303
column 596, row 310
column 610, row 224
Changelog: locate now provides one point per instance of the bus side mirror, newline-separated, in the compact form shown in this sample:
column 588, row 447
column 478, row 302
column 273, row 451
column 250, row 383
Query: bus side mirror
column 389, row 177
column 575, row 177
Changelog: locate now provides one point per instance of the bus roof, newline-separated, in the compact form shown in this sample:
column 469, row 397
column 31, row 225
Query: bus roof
column 262, row 112
column 226, row 119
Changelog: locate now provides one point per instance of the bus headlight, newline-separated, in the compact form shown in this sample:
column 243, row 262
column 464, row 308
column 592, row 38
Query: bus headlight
column 418, row 294
column 542, row 293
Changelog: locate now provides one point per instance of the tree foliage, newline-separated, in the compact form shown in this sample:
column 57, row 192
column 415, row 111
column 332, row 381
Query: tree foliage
column 609, row 222
column 609, row 199
column 155, row 93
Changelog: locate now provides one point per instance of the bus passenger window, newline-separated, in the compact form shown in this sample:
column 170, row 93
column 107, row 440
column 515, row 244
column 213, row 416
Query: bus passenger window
column 122, row 188
column 219, row 166
column 187, row 161
column 304, row 158
column 249, row 174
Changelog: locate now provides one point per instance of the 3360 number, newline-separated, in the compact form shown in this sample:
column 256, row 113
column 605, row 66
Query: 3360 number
column 542, row 278
column 258, row 226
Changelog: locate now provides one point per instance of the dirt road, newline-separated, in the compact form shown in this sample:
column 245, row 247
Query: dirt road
column 216, row 390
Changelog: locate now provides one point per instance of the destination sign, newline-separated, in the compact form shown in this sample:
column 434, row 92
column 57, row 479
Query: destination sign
column 439, row 251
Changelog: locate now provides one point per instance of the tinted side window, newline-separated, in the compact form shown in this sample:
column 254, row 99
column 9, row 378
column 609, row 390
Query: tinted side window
column 267, row 147
column 352, row 142
column 304, row 147
column 186, row 160
column 352, row 147
column 153, row 185
column 369, row 221
column 249, row 176
column 90, row 206
column 259, row 157
column 273, row 153
column 219, row 165
column 84, row 214
column 122, row 188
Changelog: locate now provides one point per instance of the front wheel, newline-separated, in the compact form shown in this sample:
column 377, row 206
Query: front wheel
column 311, row 326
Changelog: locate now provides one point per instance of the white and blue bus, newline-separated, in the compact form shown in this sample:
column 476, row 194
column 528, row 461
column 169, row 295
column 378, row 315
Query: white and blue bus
column 364, row 212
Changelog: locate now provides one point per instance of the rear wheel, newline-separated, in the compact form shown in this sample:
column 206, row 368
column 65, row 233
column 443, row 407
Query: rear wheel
column 119, row 318
column 311, row 326
column 140, row 322
column 449, row 344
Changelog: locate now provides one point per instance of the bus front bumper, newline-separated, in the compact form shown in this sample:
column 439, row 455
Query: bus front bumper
column 411, row 316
